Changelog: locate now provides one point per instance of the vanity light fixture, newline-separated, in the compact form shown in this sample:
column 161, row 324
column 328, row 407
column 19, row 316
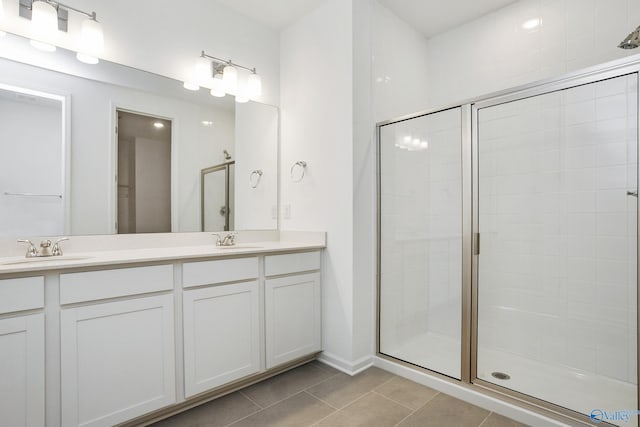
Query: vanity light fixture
column 2, row 33
column 222, row 77
column 48, row 17
column 44, row 20
column 632, row 41
column 91, row 40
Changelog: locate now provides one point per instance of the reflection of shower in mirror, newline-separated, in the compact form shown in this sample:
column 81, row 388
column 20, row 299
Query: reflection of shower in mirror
column 227, row 156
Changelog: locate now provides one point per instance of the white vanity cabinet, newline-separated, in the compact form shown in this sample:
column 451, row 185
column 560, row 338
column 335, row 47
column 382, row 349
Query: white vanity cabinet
column 221, row 323
column 22, row 353
column 117, row 341
column 118, row 357
column 292, row 307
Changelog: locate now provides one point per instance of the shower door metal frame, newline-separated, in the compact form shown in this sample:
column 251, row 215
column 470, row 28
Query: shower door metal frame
column 226, row 166
column 470, row 238
column 466, row 207
column 594, row 75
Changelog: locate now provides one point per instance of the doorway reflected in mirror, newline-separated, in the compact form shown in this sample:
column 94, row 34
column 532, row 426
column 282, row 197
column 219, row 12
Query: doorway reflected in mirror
column 144, row 173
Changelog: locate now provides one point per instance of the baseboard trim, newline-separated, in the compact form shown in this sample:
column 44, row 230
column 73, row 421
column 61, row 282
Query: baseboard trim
column 343, row 365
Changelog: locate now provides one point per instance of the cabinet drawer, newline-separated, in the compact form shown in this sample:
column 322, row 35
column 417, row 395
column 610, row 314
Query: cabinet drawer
column 25, row 293
column 291, row 263
column 221, row 271
column 97, row 285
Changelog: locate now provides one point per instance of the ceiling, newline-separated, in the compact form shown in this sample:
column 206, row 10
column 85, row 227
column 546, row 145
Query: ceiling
column 430, row 17
column 276, row 14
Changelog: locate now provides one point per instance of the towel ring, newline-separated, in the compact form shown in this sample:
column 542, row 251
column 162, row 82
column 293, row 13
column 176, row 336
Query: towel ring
column 257, row 173
column 303, row 165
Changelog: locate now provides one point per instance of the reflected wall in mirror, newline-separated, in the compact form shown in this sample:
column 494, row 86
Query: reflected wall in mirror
column 32, row 159
column 204, row 131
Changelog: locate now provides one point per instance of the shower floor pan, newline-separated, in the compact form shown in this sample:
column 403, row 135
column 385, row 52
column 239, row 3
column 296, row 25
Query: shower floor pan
column 571, row 388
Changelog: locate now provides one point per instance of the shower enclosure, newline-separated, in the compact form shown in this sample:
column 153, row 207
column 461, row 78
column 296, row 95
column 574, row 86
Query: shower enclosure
column 508, row 244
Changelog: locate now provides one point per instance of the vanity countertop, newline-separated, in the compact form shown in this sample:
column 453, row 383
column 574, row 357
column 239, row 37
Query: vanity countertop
column 132, row 256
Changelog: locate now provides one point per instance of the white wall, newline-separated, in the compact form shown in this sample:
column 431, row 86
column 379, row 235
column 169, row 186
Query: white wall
column 330, row 99
column 256, row 148
column 92, row 148
column 494, row 52
column 165, row 37
column 400, row 66
column 317, row 127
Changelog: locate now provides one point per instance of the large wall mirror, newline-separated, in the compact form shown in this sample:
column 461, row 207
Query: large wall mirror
column 111, row 149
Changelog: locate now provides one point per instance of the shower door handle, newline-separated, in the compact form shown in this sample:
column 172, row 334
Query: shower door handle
column 476, row 244
column 632, row 193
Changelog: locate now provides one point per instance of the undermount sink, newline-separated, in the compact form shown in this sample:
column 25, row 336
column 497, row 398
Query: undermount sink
column 38, row 260
column 239, row 247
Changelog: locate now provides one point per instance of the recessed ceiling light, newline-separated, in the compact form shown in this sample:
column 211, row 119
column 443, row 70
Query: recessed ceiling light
column 531, row 24
column 207, row 123
column 158, row 125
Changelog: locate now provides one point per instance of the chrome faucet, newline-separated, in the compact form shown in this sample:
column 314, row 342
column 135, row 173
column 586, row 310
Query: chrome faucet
column 57, row 250
column 31, row 250
column 46, row 249
column 228, row 240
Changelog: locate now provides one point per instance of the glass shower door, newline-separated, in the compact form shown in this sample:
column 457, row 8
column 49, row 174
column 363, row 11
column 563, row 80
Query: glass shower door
column 557, row 268
column 421, row 241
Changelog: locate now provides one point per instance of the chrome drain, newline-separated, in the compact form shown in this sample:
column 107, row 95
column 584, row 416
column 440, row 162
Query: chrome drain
column 501, row 375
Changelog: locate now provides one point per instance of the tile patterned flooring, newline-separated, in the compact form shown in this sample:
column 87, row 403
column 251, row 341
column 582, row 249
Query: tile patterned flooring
column 318, row 395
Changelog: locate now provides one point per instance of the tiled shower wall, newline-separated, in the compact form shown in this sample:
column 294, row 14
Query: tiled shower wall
column 421, row 238
column 557, row 275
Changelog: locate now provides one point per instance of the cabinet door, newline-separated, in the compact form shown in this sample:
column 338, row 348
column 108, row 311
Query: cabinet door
column 221, row 335
column 22, row 371
column 118, row 360
column 292, row 313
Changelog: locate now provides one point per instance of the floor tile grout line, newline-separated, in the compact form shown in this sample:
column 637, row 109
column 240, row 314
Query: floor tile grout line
column 245, row 417
column 485, row 419
column 251, row 400
column 393, row 377
column 321, row 381
column 287, row 397
column 405, row 406
column 335, row 411
column 341, row 409
column 328, row 369
column 402, row 420
column 323, row 401
column 357, row 398
column 422, row 406
column 394, row 401
column 280, row 401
